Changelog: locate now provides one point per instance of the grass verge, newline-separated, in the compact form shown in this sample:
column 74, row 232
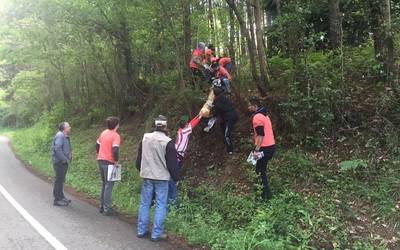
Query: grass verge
column 316, row 206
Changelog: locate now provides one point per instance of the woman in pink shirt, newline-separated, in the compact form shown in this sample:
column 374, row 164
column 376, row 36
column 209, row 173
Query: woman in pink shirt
column 264, row 142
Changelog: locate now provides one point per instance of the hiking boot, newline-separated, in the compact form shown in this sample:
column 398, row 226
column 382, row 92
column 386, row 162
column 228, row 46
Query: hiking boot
column 66, row 200
column 60, row 203
column 162, row 237
column 101, row 210
column 141, row 236
column 109, row 212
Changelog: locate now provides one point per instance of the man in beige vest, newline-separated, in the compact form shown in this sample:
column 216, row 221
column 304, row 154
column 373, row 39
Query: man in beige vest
column 157, row 164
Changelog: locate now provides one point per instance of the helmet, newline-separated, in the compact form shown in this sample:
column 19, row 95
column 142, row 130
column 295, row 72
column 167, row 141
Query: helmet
column 201, row 45
column 214, row 65
column 216, row 83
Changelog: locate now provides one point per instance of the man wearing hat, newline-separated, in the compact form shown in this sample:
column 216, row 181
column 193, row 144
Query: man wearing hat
column 157, row 163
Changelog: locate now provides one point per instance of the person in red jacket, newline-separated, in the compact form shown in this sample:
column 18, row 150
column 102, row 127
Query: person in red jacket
column 209, row 54
column 181, row 143
column 197, row 64
column 226, row 62
column 264, row 142
column 222, row 74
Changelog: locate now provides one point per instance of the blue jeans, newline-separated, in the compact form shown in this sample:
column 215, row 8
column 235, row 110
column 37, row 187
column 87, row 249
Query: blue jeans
column 172, row 187
column 106, row 187
column 160, row 188
column 226, row 84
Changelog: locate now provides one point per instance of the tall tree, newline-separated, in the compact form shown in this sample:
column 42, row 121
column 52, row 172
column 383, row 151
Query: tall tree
column 187, row 31
column 335, row 24
column 231, row 46
column 278, row 5
column 388, row 43
column 376, row 27
column 211, row 20
column 252, row 56
column 262, row 57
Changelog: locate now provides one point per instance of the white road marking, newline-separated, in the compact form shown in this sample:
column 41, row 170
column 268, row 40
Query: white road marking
column 34, row 223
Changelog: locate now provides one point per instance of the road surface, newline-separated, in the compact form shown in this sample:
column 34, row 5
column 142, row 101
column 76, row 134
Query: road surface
column 28, row 219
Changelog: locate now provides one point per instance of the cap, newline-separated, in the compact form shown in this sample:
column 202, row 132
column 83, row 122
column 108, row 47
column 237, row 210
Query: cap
column 201, row 45
column 160, row 121
column 184, row 118
column 216, row 83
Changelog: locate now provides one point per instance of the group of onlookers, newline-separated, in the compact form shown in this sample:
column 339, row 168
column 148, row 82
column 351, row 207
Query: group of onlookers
column 159, row 159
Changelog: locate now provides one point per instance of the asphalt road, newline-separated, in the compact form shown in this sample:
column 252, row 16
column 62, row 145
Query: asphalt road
column 28, row 219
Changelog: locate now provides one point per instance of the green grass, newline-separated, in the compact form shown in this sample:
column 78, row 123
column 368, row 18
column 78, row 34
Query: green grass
column 304, row 213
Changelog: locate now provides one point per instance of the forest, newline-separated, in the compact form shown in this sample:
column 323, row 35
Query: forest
column 327, row 70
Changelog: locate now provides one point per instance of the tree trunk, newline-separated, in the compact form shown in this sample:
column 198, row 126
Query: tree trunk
column 242, row 24
column 335, row 24
column 262, row 58
column 187, row 33
column 211, row 20
column 278, row 5
column 250, row 17
column 231, row 47
column 375, row 25
column 388, row 43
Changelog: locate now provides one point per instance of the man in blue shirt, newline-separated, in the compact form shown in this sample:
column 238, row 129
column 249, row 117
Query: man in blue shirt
column 61, row 155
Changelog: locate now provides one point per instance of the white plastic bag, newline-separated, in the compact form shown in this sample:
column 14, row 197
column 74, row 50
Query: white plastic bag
column 114, row 173
column 210, row 124
column 254, row 157
column 251, row 160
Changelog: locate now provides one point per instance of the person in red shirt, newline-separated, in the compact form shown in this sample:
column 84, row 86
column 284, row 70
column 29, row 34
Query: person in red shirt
column 209, row 54
column 264, row 142
column 183, row 135
column 107, row 148
column 222, row 74
column 226, row 62
column 181, row 143
column 197, row 64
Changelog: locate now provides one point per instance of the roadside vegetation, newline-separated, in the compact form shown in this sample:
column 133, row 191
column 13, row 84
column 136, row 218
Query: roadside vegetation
column 331, row 82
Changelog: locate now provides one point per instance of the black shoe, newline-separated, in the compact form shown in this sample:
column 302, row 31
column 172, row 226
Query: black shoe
column 162, row 237
column 141, row 236
column 109, row 212
column 66, row 200
column 101, row 210
column 60, row 203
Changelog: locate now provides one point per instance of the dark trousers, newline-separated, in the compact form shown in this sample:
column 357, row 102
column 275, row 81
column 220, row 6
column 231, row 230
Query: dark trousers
column 227, row 129
column 172, row 186
column 60, row 170
column 106, row 187
column 261, row 170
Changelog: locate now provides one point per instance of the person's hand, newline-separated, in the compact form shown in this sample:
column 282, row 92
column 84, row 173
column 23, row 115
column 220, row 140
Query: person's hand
column 257, row 155
column 200, row 115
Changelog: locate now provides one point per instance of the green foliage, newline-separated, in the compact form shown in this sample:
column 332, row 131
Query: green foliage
column 25, row 97
column 352, row 165
column 310, row 108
